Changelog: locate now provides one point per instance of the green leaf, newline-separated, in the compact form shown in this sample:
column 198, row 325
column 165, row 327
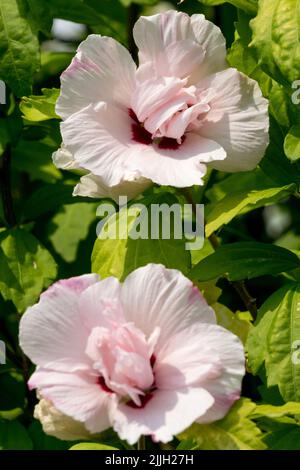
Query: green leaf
column 19, row 49
column 238, row 323
column 286, row 438
column 245, row 260
column 275, row 164
column 70, row 226
column 12, row 393
column 119, row 254
column 243, row 57
column 47, row 198
column 235, row 432
column 4, row 136
column 292, row 143
column 42, row 441
column 92, row 446
column 239, row 194
column 271, row 411
column 35, row 158
column 38, row 15
column 13, row 436
column 77, row 11
column 272, row 341
column 40, row 108
column 276, row 39
column 26, row 267
column 249, row 6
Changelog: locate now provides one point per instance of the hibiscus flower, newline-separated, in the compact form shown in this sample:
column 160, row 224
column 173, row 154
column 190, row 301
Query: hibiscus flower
column 164, row 121
column 145, row 357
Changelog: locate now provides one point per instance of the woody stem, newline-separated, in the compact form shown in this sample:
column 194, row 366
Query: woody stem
column 239, row 286
column 141, row 445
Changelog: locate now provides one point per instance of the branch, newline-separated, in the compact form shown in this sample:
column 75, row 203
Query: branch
column 239, row 286
column 133, row 14
column 5, row 179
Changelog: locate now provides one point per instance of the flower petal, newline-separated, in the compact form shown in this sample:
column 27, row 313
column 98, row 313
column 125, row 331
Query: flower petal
column 226, row 389
column 63, row 159
column 181, row 166
column 100, row 138
column 213, row 42
column 94, row 186
column 202, row 355
column 59, row 425
column 104, row 68
column 238, row 119
column 179, row 45
column 60, row 338
column 166, row 414
column 77, row 396
column 99, row 302
column 152, row 34
column 154, row 296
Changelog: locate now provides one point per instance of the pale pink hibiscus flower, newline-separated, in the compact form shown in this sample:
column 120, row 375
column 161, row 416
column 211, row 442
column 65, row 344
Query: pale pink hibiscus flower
column 145, row 357
column 164, row 121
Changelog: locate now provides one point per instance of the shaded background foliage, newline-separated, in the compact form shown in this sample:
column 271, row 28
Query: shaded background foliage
column 252, row 218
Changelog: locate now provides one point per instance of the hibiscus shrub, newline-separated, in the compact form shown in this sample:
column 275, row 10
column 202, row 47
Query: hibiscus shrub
column 124, row 342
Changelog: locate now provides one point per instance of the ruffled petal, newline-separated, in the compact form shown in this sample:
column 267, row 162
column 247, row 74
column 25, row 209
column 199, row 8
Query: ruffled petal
column 94, row 186
column 101, row 302
column 77, row 396
column 154, row 296
column 102, row 70
column 153, row 34
column 166, row 414
column 213, row 42
column 60, row 339
column 178, row 45
column 238, row 119
column 202, row 355
column 100, row 139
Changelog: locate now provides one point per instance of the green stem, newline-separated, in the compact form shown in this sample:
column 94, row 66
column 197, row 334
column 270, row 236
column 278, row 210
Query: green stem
column 6, row 193
column 141, row 445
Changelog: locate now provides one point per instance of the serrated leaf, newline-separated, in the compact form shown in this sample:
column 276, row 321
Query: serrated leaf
column 245, row 260
column 272, row 341
column 48, row 198
column 292, row 143
column 92, row 446
column 239, row 194
column 235, row 432
column 13, row 436
column 70, row 226
column 119, row 254
column 271, row 411
column 238, row 323
column 275, row 164
column 276, row 39
column 250, row 6
column 26, row 267
column 287, row 438
column 35, row 158
column 19, row 49
column 40, row 107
